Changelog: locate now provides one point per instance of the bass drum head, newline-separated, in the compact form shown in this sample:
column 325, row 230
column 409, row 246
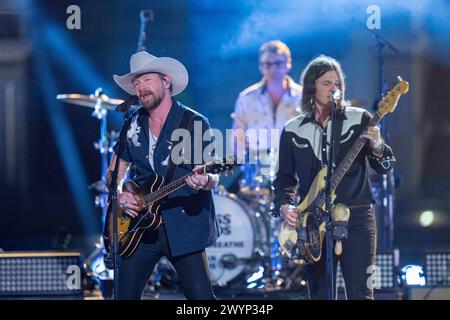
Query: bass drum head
column 235, row 246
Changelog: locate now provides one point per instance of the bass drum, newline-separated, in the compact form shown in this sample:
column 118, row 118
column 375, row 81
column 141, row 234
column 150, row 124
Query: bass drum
column 243, row 234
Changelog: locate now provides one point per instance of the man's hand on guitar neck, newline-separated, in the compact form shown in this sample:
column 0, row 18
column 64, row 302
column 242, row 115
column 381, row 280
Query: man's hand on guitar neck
column 376, row 143
column 129, row 204
column 289, row 213
column 202, row 182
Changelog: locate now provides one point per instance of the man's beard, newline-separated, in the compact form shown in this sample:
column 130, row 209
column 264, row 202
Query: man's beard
column 153, row 102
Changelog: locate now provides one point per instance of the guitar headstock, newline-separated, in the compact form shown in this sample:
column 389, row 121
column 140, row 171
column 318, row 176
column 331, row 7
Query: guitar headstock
column 390, row 101
column 225, row 165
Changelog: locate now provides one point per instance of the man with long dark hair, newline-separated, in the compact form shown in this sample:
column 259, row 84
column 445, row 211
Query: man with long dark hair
column 304, row 151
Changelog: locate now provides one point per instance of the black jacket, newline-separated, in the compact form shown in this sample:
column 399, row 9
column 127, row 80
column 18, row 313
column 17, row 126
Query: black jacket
column 189, row 215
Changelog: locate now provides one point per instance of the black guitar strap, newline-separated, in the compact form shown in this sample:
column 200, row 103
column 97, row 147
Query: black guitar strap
column 185, row 122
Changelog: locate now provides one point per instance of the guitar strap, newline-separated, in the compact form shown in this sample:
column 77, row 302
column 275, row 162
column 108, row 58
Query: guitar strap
column 184, row 123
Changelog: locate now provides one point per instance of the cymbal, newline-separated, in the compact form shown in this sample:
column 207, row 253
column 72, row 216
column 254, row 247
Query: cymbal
column 90, row 100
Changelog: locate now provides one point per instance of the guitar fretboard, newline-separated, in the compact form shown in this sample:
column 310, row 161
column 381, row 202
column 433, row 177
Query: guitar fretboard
column 214, row 167
column 345, row 164
column 164, row 191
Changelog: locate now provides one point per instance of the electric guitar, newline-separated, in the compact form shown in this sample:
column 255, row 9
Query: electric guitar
column 149, row 195
column 311, row 209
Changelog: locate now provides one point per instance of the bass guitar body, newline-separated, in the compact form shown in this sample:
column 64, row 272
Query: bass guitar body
column 309, row 217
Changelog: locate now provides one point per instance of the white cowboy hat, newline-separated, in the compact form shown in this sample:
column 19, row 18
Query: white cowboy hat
column 143, row 62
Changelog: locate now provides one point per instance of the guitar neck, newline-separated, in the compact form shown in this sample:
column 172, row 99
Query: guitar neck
column 387, row 104
column 212, row 167
column 166, row 190
column 345, row 164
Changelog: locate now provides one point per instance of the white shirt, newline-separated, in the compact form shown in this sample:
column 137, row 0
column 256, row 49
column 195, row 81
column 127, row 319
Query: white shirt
column 151, row 147
column 254, row 109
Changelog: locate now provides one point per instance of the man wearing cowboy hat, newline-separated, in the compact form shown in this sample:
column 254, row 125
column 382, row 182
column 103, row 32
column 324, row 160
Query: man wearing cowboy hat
column 189, row 221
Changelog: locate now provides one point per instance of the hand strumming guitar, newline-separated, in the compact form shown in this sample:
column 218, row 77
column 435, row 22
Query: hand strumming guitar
column 289, row 213
column 129, row 204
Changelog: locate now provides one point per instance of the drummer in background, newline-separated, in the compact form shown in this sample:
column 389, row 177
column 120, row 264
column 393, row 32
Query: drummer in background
column 267, row 104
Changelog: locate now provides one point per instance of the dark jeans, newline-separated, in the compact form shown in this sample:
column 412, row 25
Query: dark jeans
column 192, row 269
column 358, row 253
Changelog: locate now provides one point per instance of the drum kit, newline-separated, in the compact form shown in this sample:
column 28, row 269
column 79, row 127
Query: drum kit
column 246, row 259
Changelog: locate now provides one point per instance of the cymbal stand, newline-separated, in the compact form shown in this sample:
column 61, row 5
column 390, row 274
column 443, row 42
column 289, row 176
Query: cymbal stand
column 104, row 145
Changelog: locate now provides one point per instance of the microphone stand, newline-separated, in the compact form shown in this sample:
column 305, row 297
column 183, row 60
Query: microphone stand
column 113, row 200
column 328, row 218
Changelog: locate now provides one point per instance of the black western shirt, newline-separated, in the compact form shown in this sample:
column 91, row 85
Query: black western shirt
column 304, row 151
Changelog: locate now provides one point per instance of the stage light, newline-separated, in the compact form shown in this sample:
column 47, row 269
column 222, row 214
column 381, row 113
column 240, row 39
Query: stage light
column 413, row 275
column 385, row 264
column 40, row 273
column 426, row 218
column 256, row 276
column 437, row 268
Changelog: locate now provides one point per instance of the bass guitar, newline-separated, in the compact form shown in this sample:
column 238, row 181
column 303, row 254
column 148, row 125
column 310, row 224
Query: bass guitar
column 311, row 210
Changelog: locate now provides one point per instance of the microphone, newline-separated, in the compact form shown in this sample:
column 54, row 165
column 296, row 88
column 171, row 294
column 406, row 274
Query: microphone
column 336, row 94
column 124, row 106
